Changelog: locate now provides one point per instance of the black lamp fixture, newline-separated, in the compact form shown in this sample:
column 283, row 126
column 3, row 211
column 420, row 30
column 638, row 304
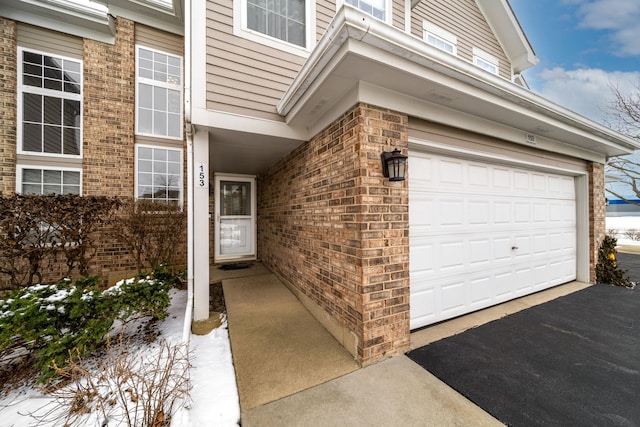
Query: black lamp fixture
column 393, row 165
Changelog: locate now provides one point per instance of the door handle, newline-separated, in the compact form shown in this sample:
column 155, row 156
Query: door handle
column 513, row 248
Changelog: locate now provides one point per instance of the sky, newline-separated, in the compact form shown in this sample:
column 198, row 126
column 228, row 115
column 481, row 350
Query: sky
column 584, row 47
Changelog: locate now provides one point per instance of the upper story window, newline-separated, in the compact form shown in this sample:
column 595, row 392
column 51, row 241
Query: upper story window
column 283, row 24
column 440, row 38
column 486, row 61
column 159, row 174
column 283, row 19
column 49, row 104
column 158, row 94
column 376, row 8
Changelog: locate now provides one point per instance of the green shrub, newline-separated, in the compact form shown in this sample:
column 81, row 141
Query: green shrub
column 607, row 270
column 50, row 321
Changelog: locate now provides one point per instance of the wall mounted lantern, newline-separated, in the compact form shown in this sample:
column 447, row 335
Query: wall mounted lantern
column 393, row 165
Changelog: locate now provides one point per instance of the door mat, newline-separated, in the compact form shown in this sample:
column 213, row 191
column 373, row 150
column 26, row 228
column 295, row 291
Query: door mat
column 239, row 266
column 572, row 361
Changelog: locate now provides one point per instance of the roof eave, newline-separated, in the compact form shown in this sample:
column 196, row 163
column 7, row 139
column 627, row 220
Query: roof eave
column 72, row 18
column 352, row 28
column 509, row 32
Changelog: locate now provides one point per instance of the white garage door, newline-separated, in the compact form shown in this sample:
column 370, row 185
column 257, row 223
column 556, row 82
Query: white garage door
column 481, row 234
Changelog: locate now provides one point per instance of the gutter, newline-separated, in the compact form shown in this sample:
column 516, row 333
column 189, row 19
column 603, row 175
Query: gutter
column 188, row 315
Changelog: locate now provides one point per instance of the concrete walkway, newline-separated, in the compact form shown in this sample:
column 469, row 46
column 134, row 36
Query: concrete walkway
column 291, row 372
column 278, row 348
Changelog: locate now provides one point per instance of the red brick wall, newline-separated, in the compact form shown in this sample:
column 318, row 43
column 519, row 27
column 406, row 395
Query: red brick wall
column 335, row 229
column 597, row 214
column 8, row 81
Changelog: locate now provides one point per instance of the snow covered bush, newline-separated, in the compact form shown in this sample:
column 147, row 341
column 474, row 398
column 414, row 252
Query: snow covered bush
column 139, row 388
column 49, row 321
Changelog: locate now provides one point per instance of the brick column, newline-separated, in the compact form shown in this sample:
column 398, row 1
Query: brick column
column 8, row 106
column 384, row 221
column 109, row 113
column 597, row 214
column 108, row 134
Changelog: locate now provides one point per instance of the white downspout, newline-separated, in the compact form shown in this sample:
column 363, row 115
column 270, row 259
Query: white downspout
column 188, row 315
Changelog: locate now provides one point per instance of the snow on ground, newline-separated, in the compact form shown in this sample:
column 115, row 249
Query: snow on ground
column 214, row 397
column 624, row 227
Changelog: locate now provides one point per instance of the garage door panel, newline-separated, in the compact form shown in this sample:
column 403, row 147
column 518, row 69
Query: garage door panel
column 479, row 251
column 452, row 212
column 482, row 234
column 421, row 258
column 478, row 175
column 479, row 212
column 451, row 171
column 452, row 255
column 481, row 291
column 453, row 296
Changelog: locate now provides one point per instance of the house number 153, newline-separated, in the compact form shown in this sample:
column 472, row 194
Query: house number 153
column 202, row 176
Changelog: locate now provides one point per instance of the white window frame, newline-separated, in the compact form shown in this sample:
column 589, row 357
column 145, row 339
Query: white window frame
column 241, row 29
column 154, row 83
column 23, row 88
column 21, row 167
column 159, row 147
column 388, row 4
column 486, row 61
column 441, row 35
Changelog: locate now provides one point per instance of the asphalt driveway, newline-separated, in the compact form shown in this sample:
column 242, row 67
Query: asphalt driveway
column 572, row 361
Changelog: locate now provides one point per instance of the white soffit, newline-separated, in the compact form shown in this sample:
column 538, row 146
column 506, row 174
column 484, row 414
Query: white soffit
column 357, row 50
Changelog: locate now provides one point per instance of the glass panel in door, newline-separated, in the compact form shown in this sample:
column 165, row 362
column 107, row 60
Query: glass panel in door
column 236, row 218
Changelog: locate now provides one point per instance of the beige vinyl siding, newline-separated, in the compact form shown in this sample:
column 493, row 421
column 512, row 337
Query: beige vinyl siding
column 465, row 20
column 325, row 11
column 431, row 132
column 159, row 40
column 161, row 142
column 245, row 77
column 48, row 41
column 397, row 9
column 51, row 162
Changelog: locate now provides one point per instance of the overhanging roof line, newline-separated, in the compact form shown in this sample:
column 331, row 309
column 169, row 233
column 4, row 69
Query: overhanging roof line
column 385, row 42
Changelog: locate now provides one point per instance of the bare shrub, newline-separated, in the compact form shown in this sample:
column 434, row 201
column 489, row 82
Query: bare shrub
column 79, row 223
column 134, row 389
column 36, row 229
column 632, row 234
column 152, row 231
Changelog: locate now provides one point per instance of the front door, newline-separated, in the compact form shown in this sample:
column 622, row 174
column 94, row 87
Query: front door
column 235, row 225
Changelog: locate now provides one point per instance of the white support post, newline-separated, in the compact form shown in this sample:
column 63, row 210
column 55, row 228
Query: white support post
column 201, row 225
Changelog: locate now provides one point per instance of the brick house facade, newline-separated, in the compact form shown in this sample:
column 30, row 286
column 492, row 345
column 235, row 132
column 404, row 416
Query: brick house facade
column 298, row 125
column 108, row 156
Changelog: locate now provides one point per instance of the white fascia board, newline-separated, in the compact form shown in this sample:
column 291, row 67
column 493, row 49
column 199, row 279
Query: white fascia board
column 241, row 123
column 66, row 17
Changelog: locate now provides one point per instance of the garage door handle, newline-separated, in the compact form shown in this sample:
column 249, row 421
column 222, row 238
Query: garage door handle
column 513, row 248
